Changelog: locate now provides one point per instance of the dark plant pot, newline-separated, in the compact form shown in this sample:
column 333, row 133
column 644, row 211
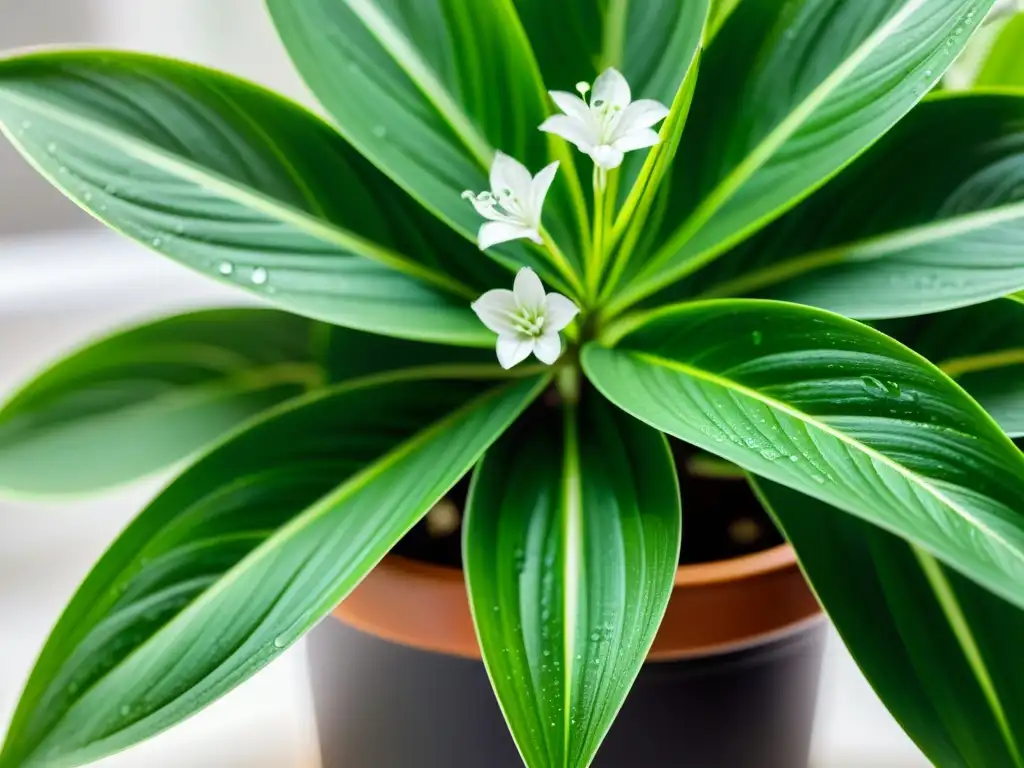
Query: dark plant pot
column 745, row 701
column 383, row 705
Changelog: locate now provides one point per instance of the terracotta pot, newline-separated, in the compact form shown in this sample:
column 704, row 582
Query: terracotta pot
column 714, row 608
column 731, row 680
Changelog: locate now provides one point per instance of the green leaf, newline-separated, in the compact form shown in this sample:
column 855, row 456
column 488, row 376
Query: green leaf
column 836, row 410
column 242, row 185
column 349, row 354
column 982, row 347
column 942, row 653
column 571, row 547
column 427, row 91
column 140, row 400
column 1005, row 65
column 720, row 12
column 245, row 552
column 899, row 232
column 640, row 180
column 790, row 92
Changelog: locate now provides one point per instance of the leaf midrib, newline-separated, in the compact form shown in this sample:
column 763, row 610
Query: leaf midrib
column 1009, row 357
column 422, row 76
column 867, row 249
column 760, row 155
column 312, row 513
column 251, row 380
column 949, row 604
column 231, row 189
column 572, row 566
column 915, row 479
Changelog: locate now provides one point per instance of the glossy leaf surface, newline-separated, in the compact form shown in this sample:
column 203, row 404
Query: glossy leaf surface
column 789, row 93
column 942, row 653
column 427, row 91
column 930, row 219
column 571, row 547
column 140, row 400
column 245, row 552
column 836, row 410
column 982, row 348
column 243, row 186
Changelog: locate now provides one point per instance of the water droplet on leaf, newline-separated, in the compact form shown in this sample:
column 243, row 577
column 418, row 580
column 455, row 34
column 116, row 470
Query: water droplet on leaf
column 259, row 276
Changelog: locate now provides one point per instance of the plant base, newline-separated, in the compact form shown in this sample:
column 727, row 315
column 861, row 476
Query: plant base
column 381, row 705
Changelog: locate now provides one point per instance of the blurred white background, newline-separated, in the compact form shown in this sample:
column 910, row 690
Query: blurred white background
column 64, row 279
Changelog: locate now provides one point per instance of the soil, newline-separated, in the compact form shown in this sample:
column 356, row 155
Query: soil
column 721, row 519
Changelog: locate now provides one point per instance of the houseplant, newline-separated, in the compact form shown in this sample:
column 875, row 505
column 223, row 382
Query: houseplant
column 712, row 283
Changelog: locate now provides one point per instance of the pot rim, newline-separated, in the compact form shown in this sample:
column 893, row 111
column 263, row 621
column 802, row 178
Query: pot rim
column 715, row 607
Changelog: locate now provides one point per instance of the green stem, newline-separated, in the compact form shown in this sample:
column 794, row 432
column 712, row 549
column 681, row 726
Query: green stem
column 561, row 262
column 600, row 229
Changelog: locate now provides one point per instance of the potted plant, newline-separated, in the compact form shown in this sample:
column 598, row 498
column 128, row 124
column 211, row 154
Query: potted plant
column 508, row 349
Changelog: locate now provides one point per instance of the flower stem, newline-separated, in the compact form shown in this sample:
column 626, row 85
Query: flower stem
column 600, row 229
column 560, row 261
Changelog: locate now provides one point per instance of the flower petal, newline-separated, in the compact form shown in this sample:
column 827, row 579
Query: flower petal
column 507, row 173
column 497, row 309
column 486, row 209
column 548, row 347
column 572, row 130
column 611, row 88
column 539, row 190
column 572, row 105
column 606, row 156
column 640, row 114
column 559, row 312
column 494, row 232
column 513, row 349
column 529, row 290
column 645, row 137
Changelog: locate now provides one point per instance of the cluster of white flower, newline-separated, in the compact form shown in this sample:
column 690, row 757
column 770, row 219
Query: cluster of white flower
column 605, row 128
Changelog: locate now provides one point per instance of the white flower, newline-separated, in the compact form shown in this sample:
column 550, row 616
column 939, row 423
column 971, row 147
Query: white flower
column 514, row 204
column 525, row 319
column 611, row 124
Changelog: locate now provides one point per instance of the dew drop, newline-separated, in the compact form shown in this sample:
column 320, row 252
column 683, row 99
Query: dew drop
column 794, row 458
column 157, row 242
column 26, row 125
column 819, row 479
column 380, row 131
column 875, row 386
column 125, row 710
column 87, row 196
column 62, row 170
column 757, row 337
column 51, row 148
column 259, row 276
column 280, row 642
column 770, row 454
column 226, row 268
